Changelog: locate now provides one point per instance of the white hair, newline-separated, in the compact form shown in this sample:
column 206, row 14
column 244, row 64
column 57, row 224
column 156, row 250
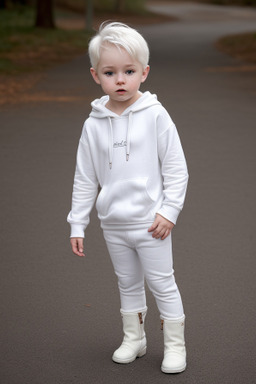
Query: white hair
column 122, row 36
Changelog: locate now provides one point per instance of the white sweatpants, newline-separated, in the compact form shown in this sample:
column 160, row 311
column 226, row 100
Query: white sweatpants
column 136, row 255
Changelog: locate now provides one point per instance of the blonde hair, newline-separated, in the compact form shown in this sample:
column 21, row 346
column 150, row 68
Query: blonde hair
column 122, row 36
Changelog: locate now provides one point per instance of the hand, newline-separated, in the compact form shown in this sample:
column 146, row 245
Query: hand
column 161, row 227
column 77, row 244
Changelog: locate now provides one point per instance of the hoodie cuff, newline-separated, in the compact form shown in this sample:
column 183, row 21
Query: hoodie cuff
column 77, row 230
column 169, row 213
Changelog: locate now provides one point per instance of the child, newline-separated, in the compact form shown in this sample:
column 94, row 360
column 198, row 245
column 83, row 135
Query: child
column 130, row 147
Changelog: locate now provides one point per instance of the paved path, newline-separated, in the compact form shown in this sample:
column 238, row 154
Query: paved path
column 60, row 314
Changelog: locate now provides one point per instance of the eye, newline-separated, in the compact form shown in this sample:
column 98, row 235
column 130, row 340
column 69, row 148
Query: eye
column 130, row 72
column 108, row 73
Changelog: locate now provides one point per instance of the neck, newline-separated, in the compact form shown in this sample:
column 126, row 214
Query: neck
column 119, row 107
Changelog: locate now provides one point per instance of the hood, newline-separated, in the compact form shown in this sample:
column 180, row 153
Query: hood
column 100, row 111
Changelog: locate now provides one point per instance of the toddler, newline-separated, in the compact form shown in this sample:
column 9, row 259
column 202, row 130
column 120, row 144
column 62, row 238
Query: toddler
column 130, row 148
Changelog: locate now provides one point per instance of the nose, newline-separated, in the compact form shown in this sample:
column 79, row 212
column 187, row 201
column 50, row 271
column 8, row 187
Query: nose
column 120, row 78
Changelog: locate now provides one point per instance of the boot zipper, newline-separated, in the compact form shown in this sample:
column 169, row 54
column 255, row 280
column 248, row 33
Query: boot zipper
column 140, row 317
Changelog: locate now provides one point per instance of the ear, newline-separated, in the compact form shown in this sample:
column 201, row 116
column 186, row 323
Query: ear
column 94, row 75
column 145, row 73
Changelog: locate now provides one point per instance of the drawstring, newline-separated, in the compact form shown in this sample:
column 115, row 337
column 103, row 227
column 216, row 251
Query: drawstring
column 128, row 141
column 110, row 140
column 110, row 143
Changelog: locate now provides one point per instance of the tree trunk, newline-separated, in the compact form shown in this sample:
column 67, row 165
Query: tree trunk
column 2, row 4
column 44, row 14
column 89, row 15
column 120, row 6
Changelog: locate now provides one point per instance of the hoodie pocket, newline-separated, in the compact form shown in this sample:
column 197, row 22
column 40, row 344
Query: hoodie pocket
column 125, row 200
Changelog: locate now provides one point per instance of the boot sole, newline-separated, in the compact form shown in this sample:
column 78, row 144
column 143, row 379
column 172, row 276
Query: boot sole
column 131, row 359
column 178, row 370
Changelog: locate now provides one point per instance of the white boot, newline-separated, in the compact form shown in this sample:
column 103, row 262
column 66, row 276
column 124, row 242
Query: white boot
column 174, row 346
column 134, row 343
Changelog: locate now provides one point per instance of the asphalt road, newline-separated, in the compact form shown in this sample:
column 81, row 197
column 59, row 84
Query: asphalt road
column 60, row 318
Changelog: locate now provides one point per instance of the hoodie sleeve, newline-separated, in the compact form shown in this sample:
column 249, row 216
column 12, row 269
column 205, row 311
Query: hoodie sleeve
column 173, row 167
column 85, row 189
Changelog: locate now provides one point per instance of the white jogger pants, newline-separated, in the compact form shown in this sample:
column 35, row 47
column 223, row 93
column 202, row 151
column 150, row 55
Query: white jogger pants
column 136, row 255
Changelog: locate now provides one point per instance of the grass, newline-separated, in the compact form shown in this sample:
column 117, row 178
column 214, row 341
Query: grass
column 133, row 6
column 25, row 48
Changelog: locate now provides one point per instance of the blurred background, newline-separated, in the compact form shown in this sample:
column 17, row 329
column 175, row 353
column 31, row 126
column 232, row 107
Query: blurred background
column 60, row 314
column 37, row 34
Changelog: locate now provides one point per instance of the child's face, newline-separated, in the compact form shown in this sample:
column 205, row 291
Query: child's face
column 120, row 76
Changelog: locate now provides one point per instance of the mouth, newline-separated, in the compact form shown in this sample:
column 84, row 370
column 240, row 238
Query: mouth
column 121, row 91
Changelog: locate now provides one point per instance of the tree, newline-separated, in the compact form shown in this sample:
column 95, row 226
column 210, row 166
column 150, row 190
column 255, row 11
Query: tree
column 44, row 14
column 89, row 15
column 120, row 6
column 2, row 4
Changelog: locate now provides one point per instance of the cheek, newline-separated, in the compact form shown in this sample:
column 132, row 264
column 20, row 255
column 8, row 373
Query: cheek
column 135, row 83
column 107, row 81
column 102, row 82
column 106, row 85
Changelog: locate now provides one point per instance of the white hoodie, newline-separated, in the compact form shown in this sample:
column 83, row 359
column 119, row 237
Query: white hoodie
column 138, row 162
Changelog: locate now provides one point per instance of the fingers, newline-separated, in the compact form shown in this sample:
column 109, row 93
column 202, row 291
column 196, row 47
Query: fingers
column 161, row 232
column 153, row 227
column 158, row 230
column 77, row 244
column 167, row 233
column 161, row 228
